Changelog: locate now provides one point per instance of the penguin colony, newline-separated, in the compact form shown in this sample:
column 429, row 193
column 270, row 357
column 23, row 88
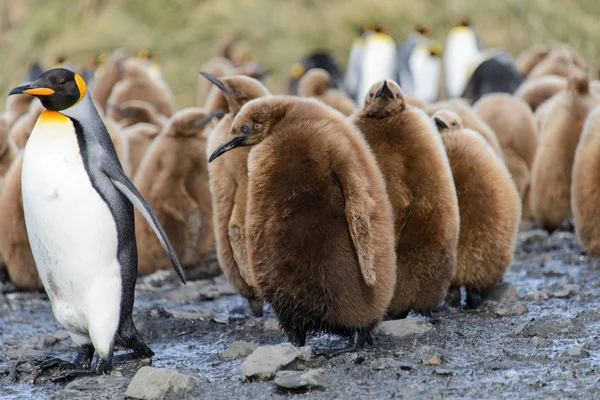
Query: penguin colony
column 353, row 199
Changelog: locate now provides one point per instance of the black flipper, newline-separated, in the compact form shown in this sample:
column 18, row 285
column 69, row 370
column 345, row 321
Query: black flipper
column 125, row 186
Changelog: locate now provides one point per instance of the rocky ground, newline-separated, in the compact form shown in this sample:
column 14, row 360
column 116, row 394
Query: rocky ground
column 536, row 336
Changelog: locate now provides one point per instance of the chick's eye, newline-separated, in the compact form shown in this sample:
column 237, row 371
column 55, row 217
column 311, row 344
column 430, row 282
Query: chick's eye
column 453, row 124
column 257, row 126
column 371, row 95
column 245, row 129
column 398, row 96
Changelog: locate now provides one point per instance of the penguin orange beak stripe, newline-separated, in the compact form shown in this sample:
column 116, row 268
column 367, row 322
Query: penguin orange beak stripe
column 30, row 88
column 225, row 147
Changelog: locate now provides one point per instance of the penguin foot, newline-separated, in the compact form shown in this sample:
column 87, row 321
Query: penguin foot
column 83, row 357
column 453, row 297
column 474, row 299
column 357, row 343
column 256, row 307
column 297, row 338
column 393, row 316
column 49, row 364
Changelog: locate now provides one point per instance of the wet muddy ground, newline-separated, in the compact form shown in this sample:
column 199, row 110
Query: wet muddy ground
column 537, row 337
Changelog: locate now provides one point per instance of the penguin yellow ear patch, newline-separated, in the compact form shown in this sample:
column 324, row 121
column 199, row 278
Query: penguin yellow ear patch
column 81, row 86
column 297, row 71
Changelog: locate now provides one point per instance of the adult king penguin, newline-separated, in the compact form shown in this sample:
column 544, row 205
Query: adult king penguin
column 78, row 211
column 462, row 47
column 378, row 61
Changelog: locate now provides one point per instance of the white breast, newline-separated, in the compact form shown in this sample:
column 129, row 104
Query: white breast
column 72, row 232
column 426, row 71
column 459, row 53
column 378, row 63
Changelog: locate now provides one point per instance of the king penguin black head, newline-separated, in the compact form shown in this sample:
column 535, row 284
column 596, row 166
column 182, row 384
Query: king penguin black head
column 57, row 89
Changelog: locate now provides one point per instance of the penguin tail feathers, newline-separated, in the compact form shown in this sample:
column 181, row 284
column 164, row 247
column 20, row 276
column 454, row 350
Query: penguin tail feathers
column 125, row 186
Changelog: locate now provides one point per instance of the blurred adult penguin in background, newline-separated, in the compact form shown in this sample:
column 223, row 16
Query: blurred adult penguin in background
column 494, row 71
column 353, row 70
column 378, row 61
column 323, row 59
column 463, row 44
column 416, row 40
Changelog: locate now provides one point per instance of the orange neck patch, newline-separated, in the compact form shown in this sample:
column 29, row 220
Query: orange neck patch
column 52, row 116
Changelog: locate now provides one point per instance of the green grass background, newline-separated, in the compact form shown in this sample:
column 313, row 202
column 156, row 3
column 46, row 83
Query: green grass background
column 186, row 33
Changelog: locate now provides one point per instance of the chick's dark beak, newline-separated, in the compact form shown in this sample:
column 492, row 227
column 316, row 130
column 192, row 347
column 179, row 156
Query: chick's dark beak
column 385, row 89
column 225, row 147
column 215, row 80
column 209, row 117
column 440, row 124
column 32, row 89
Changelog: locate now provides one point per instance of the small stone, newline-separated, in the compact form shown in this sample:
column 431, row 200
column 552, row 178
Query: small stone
column 432, row 359
column 239, row 349
column 46, row 341
column 566, row 291
column 404, row 327
column 532, row 237
column 104, row 382
column 271, row 325
column 265, row 361
column 196, row 314
column 61, row 334
column 510, row 309
column 10, row 342
column 383, row 363
column 511, row 373
column 576, row 351
column 549, row 327
column 222, row 320
column 310, row 379
column 444, row 372
column 504, row 292
column 536, row 295
column 535, row 341
column 207, row 289
column 15, row 354
column 151, row 383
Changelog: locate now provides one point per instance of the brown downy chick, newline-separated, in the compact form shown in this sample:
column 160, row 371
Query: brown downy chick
column 139, row 138
column 112, row 72
column 551, row 173
column 8, row 150
column 138, row 111
column 217, row 66
column 529, row 58
column 316, row 83
column 585, row 195
column 21, row 129
column 319, row 227
column 14, row 242
column 229, row 188
column 537, row 91
column 120, row 142
column 490, row 209
column 173, row 176
column 469, row 118
column 557, row 62
column 514, row 125
column 419, row 183
column 139, row 85
column 16, row 106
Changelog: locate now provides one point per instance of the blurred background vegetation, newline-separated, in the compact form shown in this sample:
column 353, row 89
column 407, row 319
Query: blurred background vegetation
column 186, row 33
